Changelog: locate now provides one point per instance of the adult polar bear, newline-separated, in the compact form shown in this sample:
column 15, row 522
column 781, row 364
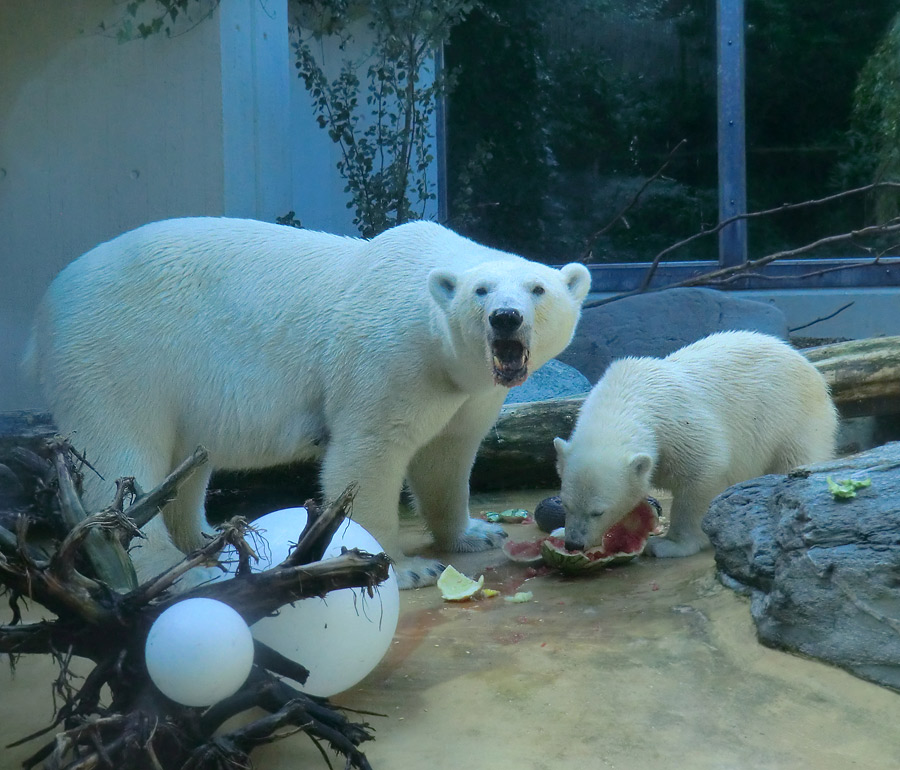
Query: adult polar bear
column 389, row 358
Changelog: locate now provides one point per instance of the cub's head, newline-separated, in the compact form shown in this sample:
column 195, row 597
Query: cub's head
column 510, row 315
column 600, row 486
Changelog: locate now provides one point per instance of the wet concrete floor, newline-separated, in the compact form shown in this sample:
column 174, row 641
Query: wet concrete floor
column 648, row 665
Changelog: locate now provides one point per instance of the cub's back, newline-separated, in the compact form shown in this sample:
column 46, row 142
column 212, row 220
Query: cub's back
column 741, row 358
column 751, row 381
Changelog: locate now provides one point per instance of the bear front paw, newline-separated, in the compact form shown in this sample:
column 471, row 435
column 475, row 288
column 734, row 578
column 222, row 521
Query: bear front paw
column 417, row 572
column 664, row 548
column 479, row 536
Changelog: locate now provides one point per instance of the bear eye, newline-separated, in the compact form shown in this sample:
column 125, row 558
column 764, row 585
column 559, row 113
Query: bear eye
column 481, row 291
column 538, row 290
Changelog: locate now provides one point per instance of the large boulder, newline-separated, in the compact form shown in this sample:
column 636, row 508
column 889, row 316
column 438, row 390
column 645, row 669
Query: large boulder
column 553, row 380
column 822, row 572
column 659, row 323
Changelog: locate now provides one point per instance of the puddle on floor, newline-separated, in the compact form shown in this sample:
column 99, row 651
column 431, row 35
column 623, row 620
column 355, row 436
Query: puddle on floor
column 648, row 665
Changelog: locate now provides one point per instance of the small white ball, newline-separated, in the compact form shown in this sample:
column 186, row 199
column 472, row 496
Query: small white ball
column 199, row 651
column 340, row 638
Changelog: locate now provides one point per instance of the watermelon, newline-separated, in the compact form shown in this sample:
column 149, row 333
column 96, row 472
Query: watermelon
column 621, row 543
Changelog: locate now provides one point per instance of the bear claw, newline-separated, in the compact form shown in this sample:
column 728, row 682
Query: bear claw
column 418, row 572
column 479, row 536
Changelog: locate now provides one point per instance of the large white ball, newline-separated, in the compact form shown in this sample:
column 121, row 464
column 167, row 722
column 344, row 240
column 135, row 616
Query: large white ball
column 340, row 638
column 199, row 651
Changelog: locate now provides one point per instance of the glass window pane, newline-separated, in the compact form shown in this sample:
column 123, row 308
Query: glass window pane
column 563, row 110
column 817, row 94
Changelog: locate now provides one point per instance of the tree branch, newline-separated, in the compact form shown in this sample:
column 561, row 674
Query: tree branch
column 107, row 555
column 588, row 249
column 145, row 507
column 727, row 275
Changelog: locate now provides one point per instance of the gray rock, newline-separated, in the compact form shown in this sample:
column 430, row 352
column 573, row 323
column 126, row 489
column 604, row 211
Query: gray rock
column 553, row 380
column 658, row 324
column 822, row 573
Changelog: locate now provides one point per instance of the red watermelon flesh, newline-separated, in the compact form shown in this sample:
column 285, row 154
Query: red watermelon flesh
column 622, row 542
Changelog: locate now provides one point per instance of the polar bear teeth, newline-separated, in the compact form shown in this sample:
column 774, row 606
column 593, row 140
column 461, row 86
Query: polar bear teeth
column 510, row 362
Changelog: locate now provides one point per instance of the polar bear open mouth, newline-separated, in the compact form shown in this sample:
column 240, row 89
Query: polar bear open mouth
column 510, row 361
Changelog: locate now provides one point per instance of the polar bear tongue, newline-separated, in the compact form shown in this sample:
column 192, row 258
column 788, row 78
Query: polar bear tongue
column 510, row 361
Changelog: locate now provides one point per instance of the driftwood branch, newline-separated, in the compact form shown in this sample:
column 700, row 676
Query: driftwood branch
column 145, row 507
column 320, row 528
column 139, row 727
column 107, row 554
column 257, row 595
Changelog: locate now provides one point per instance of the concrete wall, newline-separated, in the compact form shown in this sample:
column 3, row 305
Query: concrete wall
column 872, row 312
column 96, row 137
column 256, row 118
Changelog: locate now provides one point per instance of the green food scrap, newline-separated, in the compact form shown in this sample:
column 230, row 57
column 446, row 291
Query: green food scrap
column 520, row 598
column 846, row 488
column 510, row 516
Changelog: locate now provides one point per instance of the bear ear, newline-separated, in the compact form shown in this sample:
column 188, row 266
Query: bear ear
column 577, row 279
column 640, row 466
column 562, row 451
column 442, row 285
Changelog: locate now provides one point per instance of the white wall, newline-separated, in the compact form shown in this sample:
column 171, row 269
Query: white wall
column 873, row 313
column 96, row 137
column 256, row 81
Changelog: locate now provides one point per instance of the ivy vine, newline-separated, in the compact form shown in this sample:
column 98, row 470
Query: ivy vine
column 380, row 107
column 143, row 18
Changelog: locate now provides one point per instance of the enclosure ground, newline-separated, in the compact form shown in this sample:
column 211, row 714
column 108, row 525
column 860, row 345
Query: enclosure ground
column 649, row 665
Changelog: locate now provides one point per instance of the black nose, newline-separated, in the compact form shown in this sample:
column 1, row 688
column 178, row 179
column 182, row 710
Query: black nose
column 506, row 320
column 571, row 545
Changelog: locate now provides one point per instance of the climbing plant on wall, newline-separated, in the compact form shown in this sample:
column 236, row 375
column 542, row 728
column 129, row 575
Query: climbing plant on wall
column 875, row 129
column 378, row 104
column 142, row 18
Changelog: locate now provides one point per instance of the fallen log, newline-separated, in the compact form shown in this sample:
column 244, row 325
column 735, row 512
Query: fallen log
column 864, row 376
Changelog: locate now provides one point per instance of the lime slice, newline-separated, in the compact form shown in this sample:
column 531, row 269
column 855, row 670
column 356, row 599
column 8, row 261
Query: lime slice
column 456, row 587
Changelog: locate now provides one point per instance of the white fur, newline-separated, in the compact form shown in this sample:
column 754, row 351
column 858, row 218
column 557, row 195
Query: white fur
column 269, row 344
column 730, row 407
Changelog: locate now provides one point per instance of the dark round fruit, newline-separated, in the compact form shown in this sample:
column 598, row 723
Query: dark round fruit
column 549, row 514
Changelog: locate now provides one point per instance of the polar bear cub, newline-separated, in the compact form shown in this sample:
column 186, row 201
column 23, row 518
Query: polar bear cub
column 386, row 359
column 727, row 408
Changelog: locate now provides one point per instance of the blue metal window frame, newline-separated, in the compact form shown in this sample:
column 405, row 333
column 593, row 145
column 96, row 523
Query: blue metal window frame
column 781, row 274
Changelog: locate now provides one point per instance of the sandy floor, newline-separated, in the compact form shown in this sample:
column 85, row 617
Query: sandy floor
column 649, row 665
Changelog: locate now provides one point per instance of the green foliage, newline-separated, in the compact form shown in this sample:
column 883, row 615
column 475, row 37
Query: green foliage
column 143, row 18
column 875, row 128
column 545, row 150
column 497, row 125
column 379, row 107
column 803, row 65
column 290, row 220
column 575, row 117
